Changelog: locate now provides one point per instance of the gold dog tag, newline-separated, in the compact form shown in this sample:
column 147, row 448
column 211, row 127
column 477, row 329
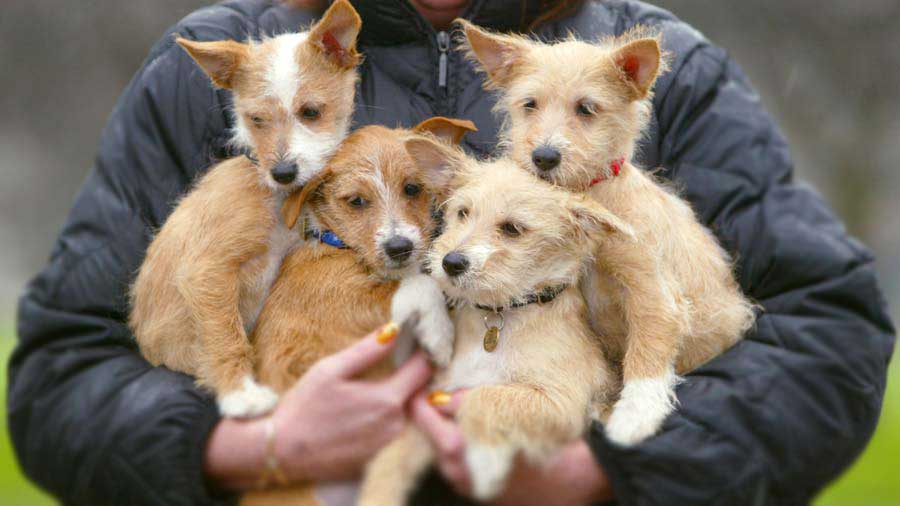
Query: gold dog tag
column 491, row 338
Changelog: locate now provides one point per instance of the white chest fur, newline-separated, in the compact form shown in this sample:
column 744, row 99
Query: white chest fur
column 471, row 365
column 281, row 241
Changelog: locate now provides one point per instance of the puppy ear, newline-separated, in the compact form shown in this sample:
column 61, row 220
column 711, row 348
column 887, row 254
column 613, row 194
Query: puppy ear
column 436, row 160
column 293, row 204
column 447, row 129
column 335, row 34
column 638, row 63
column 220, row 59
column 499, row 55
column 595, row 221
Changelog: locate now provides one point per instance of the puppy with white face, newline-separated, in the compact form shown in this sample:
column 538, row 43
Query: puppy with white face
column 665, row 301
column 510, row 257
column 209, row 269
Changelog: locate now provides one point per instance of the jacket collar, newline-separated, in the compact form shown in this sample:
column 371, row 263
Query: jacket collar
column 392, row 22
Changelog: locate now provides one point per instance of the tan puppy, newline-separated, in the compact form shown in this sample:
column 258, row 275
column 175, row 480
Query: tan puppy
column 208, row 271
column 665, row 301
column 511, row 255
column 378, row 202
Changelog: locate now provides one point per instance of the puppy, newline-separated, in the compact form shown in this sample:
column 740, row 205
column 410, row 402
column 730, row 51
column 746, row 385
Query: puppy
column 665, row 301
column 208, row 271
column 510, row 256
column 369, row 219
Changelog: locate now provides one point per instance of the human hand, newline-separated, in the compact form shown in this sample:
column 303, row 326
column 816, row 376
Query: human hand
column 328, row 425
column 572, row 477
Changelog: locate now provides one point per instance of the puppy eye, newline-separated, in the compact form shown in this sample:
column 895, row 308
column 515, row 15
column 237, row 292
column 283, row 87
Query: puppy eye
column 412, row 189
column 584, row 109
column 530, row 104
column 257, row 121
column 358, row 202
column 463, row 213
column 510, row 229
column 310, row 113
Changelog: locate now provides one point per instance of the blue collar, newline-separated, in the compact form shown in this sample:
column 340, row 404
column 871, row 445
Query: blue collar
column 328, row 237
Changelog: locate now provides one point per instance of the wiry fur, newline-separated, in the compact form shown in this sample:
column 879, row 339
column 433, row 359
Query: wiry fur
column 534, row 392
column 209, row 269
column 326, row 298
column 665, row 301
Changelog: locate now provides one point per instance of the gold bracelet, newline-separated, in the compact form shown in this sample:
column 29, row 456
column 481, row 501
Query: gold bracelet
column 271, row 466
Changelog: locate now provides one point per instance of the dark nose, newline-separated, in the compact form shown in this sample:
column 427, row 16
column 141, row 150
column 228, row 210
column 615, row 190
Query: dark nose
column 284, row 172
column 398, row 248
column 455, row 264
column 546, row 158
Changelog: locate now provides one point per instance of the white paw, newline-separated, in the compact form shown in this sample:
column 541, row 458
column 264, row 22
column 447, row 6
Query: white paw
column 641, row 409
column 421, row 293
column 252, row 399
column 489, row 466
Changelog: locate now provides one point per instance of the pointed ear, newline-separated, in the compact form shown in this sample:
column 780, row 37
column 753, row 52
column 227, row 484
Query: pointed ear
column 435, row 158
column 639, row 63
column 499, row 55
column 335, row 34
column 220, row 59
column 293, row 204
column 447, row 129
column 597, row 222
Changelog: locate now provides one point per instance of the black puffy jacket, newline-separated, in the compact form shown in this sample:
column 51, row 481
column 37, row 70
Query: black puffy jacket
column 770, row 422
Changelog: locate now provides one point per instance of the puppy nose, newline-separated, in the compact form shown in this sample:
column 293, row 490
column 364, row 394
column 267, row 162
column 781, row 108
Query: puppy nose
column 398, row 248
column 546, row 158
column 284, row 172
column 455, row 264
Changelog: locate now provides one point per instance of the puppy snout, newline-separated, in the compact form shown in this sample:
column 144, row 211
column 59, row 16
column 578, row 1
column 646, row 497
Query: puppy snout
column 546, row 158
column 399, row 248
column 284, row 172
column 455, row 263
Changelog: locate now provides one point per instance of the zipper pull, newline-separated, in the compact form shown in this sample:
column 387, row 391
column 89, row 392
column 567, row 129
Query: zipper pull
column 443, row 41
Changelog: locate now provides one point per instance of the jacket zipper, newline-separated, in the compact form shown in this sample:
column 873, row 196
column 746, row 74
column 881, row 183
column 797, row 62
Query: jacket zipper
column 443, row 42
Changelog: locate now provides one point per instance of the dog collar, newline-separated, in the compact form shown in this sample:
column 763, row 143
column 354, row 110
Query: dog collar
column 492, row 331
column 327, row 237
column 614, row 167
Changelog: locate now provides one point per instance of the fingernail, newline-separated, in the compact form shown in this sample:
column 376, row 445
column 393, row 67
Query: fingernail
column 439, row 398
column 387, row 333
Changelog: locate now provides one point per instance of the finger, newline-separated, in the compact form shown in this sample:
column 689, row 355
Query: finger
column 446, row 403
column 445, row 436
column 411, row 376
column 364, row 354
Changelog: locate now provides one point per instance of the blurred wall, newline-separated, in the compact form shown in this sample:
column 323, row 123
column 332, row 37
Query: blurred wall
column 828, row 70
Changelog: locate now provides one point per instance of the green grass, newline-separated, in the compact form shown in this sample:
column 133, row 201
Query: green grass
column 871, row 482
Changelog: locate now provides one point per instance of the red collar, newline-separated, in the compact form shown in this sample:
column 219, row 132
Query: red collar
column 615, row 167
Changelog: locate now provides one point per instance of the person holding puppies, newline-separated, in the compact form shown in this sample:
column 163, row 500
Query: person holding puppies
column 94, row 423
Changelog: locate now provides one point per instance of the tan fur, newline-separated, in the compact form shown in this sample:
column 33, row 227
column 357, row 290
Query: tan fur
column 534, row 393
column 326, row 298
column 665, row 299
column 208, row 271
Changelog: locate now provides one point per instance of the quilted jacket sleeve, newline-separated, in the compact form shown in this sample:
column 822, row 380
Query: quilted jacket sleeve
column 783, row 413
column 90, row 419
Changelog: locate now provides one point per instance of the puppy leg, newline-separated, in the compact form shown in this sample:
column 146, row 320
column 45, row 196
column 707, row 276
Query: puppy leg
column 421, row 293
column 211, row 293
column 395, row 471
column 648, row 393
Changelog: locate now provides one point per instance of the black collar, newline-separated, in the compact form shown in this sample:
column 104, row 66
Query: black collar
column 544, row 296
column 391, row 22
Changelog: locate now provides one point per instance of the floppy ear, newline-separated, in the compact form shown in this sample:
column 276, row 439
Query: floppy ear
column 447, row 129
column 220, row 59
column 435, row 158
column 595, row 221
column 335, row 34
column 639, row 63
column 498, row 54
column 293, row 204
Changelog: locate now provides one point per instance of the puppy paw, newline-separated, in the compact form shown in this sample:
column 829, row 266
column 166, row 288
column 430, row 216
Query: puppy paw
column 489, row 466
column 421, row 294
column 641, row 409
column 251, row 400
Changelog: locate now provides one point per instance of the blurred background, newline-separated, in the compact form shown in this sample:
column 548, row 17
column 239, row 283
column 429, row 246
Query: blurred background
column 828, row 70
